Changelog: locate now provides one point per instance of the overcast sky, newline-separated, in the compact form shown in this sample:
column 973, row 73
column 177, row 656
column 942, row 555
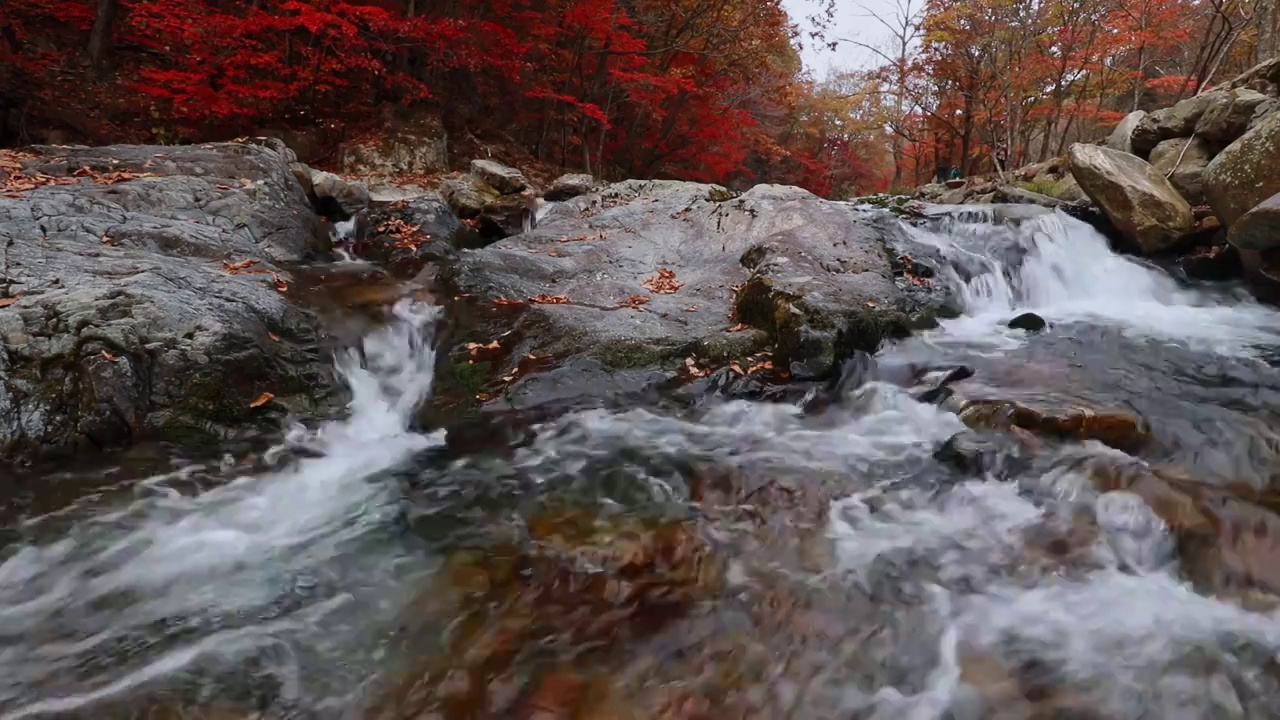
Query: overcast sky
column 851, row 22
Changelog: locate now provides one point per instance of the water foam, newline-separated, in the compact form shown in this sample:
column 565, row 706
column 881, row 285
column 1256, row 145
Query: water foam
column 179, row 580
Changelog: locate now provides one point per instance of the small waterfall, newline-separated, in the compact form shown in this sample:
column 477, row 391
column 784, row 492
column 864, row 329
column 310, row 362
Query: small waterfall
column 263, row 567
column 1063, row 269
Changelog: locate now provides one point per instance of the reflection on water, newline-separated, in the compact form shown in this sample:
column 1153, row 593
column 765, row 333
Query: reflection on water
column 741, row 560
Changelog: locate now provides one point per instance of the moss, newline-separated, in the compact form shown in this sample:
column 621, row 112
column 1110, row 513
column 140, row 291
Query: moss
column 1045, row 186
column 463, row 377
column 718, row 194
column 730, row 346
column 630, row 354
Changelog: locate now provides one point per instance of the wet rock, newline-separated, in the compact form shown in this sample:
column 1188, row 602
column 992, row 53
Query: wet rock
column 657, row 275
column 1139, row 201
column 954, row 196
column 148, row 306
column 1028, row 321
column 1258, row 229
column 955, row 183
column 411, row 142
column 409, row 234
column 1213, row 263
column 941, row 391
column 1117, row 429
column 496, row 215
column 1121, row 139
column 1183, row 161
column 506, row 180
column 336, row 198
column 567, row 187
column 1222, row 123
column 1245, row 173
column 1017, row 195
column 1178, row 121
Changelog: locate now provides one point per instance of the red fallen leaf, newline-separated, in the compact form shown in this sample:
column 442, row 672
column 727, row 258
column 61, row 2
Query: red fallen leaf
column 739, row 328
column 507, row 301
column 545, row 299
column 262, row 399
column 690, row 308
column 236, row 267
column 531, row 356
column 486, row 397
column 664, row 283
column 635, row 301
column 737, row 288
column 274, row 337
column 6, row 302
column 281, row 284
column 221, row 187
column 734, row 366
column 245, row 182
column 108, row 356
column 692, row 369
column 576, row 238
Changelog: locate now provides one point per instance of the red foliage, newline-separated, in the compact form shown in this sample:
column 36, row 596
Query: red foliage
column 696, row 89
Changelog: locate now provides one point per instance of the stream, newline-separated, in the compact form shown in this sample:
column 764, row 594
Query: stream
column 766, row 562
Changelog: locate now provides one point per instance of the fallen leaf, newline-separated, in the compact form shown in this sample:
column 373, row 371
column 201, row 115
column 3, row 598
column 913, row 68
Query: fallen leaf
column 545, row 299
column 739, row 328
column 531, row 356
column 871, row 303
column 635, row 301
column 236, row 267
column 281, row 284
column 734, row 366
column 6, row 302
column 245, row 182
column 274, row 337
column 690, row 308
column 507, row 301
column 108, row 356
column 475, row 350
column 692, row 368
column 575, row 238
column 262, row 399
column 105, row 239
column 664, row 283
column 221, row 187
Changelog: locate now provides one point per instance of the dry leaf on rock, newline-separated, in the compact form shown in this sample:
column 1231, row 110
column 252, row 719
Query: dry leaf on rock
column 664, row 283
column 262, row 399
column 6, row 302
column 545, row 299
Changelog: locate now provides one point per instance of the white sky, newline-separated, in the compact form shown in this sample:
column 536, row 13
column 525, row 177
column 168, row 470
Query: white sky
column 851, row 21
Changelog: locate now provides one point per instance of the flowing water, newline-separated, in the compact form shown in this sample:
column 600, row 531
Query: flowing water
column 856, row 574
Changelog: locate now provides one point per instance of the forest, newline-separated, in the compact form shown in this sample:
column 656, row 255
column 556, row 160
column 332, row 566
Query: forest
column 708, row 90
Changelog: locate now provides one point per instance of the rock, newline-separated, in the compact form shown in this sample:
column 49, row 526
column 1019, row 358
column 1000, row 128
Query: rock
column 497, row 215
column 412, row 233
column 1139, row 201
column 1264, row 74
column 1222, row 123
column 412, row 143
column 1258, row 229
column 930, row 192
column 1019, row 196
column 570, row 186
column 1178, row 121
column 1185, row 169
column 1121, row 139
column 643, row 274
column 1119, row 430
column 954, row 183
column 954, row 196
column 506, row 180
column 336, row 198
column 1028, row 321
column 1214, row 263
column 1246, row 172
column 128, row 321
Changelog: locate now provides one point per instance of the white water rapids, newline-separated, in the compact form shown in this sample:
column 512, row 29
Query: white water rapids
column 293, row 569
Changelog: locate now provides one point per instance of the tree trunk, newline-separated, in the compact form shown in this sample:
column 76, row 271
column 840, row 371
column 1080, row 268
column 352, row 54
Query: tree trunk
column 1268, row 46
column 100, row 35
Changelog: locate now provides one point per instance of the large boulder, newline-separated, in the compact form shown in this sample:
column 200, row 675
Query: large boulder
column 1138, row 201
column 1258, row 229
column 570, row 186
column 494, row 214
column 1182, row 161
column 647, row 280
column 333, row 196
column 412, row 142
column 1121, row 139
column 1222, row 123
column 139, row 297
column 506, row 180
column 1178, row 121
column 1246, row 172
